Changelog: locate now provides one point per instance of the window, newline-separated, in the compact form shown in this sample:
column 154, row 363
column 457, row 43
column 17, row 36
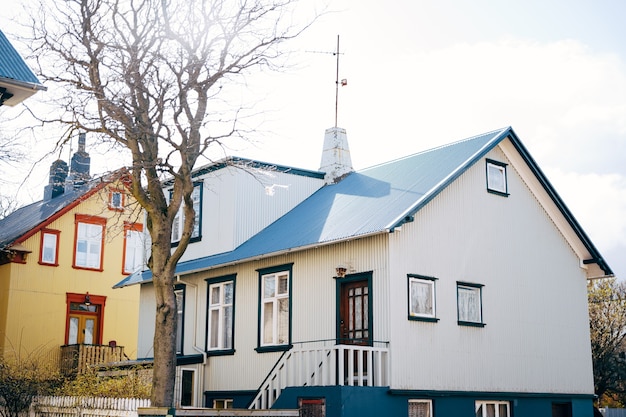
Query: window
column 116, row 199
column 89, row 242
column 496, row 178
column 49, row 247
column 220, row 314
column 421, row 298
column 179, row 220
column 469, row 300
column 132, row 259
column 492, row 409
column 312, row 407
column 561, row 409
column 179, row 291
column 186, row 387
column 223, row 403
column 274, row 326
column 420, row 408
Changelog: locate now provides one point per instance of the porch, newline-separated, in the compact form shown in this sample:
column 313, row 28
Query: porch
column 324, row 363
column 76, row 359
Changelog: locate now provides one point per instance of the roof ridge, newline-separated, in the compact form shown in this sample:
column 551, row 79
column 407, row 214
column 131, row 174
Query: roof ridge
column 436, row 148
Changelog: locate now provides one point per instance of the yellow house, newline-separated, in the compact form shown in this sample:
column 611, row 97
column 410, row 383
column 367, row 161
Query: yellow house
column 59, row 260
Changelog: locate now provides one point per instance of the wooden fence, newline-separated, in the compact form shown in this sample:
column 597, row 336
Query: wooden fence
column 129, row 407
column 86, row 407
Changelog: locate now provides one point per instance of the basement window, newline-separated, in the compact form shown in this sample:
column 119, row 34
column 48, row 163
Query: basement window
column 496, row 178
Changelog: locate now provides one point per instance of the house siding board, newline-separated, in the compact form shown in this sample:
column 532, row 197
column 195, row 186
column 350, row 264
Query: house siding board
column 534, row 295
column 313, row 290
column 228, row 195
column 35, row 316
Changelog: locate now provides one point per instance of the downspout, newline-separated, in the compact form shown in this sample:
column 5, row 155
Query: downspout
column 195, row 334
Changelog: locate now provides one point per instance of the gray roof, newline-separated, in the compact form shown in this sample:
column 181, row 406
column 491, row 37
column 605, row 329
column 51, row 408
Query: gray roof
column 26, row 220
column 371, row 201
column 13, row 67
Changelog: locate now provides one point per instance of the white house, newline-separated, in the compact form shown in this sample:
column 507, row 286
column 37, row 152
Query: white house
column 451, row 282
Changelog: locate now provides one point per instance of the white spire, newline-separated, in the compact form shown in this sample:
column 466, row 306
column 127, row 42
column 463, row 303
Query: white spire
column 336, row 161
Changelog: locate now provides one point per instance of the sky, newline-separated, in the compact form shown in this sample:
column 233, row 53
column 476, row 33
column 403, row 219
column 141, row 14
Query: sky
column 423, row 73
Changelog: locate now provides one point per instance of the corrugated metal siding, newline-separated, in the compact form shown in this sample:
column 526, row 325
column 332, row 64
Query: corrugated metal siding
column 229, row 194
column 534, row 295
column 313, row 307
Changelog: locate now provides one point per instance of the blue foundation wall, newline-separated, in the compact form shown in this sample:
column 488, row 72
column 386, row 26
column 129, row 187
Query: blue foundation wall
column 375, row 402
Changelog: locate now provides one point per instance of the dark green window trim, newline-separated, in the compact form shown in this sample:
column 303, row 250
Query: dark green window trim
column 506, row 180
column 430, row 319
column 180, row 344
column 460, row 322
column 198, row 238
column 218, row 280
column 266, row 271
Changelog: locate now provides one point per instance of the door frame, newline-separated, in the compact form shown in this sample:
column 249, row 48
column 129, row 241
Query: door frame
column 350, row 278
column 98, row 300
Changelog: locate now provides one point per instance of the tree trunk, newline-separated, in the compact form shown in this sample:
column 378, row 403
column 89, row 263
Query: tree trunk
column 164, row 344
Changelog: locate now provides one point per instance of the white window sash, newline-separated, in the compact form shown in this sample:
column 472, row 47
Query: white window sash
column 275, row 309
column 89, row 245
column 49, row 248
column 422, row 297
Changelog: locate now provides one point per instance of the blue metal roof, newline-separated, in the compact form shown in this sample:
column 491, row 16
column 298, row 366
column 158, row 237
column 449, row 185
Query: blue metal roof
column 12, row 66
column 373, row 200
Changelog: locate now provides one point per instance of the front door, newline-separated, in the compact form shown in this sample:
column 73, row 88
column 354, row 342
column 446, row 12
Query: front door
column 83, row 329
column 84, row 319
column 354, row 321
column 354, row 313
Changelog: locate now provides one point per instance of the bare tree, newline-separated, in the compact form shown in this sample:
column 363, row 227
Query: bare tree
column 607, row 322
column 147, row 74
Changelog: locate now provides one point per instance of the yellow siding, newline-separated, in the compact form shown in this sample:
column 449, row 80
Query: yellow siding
column 33, row 297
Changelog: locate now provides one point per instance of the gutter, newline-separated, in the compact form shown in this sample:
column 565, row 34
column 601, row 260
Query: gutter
column 23, row 84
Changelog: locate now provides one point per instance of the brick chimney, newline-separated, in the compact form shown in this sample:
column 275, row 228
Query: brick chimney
column 336, row 162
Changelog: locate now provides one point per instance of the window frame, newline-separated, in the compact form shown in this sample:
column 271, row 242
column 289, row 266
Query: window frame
column 496, row 403
column 179, row 220
column 492, row 187
column 420, row 401
column 220, row 349
column 227, row 403
column 180, row 317
column 93, row 221
column 128, row 228
column 431, row 282
column 57, row 235
column 183, row 393
column 122, row 194
column 274, row 346
column 473, row 287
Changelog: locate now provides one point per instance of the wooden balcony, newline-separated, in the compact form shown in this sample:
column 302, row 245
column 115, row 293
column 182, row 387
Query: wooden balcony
column 319, row 364
column 76, row 359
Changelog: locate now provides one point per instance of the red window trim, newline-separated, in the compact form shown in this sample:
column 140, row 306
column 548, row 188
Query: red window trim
column 99, row 300
column 50, row 232
column 135, row 227
column 87, row 218
column 123, row 202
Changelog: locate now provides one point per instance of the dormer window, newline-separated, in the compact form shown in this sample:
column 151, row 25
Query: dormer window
column 116, row 200
column 496, row 178
column 179, row 220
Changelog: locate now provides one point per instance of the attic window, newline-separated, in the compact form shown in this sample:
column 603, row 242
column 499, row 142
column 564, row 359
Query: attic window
column 116, row 200
column 496, row 178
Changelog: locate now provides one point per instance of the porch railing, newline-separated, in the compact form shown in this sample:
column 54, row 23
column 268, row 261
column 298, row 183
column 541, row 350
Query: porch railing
column 76, row 359
column 318, row 364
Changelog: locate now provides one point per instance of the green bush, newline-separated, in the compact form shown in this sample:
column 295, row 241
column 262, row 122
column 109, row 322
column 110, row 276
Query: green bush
column 21, row 380
column 132, row 382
